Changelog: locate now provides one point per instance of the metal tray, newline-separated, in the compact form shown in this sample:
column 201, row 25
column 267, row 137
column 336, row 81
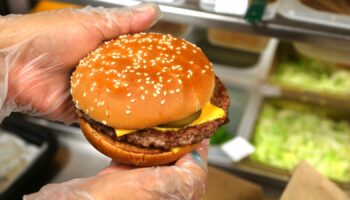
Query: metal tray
column 175, row 29
column 276, row 175
column 302, row 94
column 296, row 10
column 248, row 168
column 35, row 135
column 229, row 62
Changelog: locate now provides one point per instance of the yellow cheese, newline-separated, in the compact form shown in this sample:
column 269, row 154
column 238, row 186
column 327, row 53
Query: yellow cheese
column 175, row 149
column 121, row 132
column 209, row 113
column 46, row 5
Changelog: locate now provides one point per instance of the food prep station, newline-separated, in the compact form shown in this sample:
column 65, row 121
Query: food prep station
column 266, row 94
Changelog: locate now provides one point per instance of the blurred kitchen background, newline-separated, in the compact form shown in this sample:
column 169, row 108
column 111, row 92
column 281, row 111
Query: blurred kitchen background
column 286, row 64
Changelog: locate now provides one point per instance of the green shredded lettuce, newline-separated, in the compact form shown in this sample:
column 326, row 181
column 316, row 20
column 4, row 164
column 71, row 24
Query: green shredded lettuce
column 312, row 75
column 284, row 137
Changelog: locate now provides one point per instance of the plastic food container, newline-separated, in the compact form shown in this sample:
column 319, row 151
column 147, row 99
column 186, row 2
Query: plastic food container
column 238, row 41
column 230, row 57
column 46, row 5
column 323, row 149
column 26, row 150
column 310, row 80
column 338, row 56
column 175, row 29
column 296, row 10
column 341, row 7
column 215, row 6
column 244, row 65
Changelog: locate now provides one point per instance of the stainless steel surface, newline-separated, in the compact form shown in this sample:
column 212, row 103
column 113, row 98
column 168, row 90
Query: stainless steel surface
column 280, row 27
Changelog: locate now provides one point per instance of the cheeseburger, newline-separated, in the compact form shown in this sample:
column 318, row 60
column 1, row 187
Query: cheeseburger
column 147, row 99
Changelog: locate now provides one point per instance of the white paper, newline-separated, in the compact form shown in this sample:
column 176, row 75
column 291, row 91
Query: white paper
column 234, row 7
column 237, row 148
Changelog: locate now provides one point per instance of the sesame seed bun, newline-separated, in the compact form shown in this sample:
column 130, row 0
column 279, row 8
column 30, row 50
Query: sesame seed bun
column 130, row 154
column 142, row 80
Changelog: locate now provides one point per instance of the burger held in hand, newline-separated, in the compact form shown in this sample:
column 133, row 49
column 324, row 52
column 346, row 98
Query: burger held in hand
column 147, row 99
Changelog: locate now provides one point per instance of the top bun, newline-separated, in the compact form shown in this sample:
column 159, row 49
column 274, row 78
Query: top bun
column 142, row 80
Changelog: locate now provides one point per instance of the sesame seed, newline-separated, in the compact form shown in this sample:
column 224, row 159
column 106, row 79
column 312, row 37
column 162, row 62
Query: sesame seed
column 142, row 97
column 128, row 95
column 84, row 94
column 162, row 102
column 127, row 112
column 104, row 122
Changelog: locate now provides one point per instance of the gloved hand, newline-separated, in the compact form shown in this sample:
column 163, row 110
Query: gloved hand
column 39, row 51
column 186, row 180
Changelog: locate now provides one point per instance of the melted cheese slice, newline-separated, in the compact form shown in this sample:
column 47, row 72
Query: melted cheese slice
column 209, row 113
column 175, row 149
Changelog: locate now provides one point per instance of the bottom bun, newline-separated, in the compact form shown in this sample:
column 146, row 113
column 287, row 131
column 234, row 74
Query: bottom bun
column 130, row 154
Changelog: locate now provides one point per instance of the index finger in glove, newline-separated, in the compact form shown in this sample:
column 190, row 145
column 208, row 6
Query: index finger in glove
column 112, row 22
column 77, row 32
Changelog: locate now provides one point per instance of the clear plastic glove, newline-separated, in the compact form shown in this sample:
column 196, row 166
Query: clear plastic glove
column 39, row 51
column 186, row 180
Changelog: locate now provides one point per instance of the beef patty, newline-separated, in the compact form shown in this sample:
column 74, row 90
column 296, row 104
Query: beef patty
column 170, row 139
